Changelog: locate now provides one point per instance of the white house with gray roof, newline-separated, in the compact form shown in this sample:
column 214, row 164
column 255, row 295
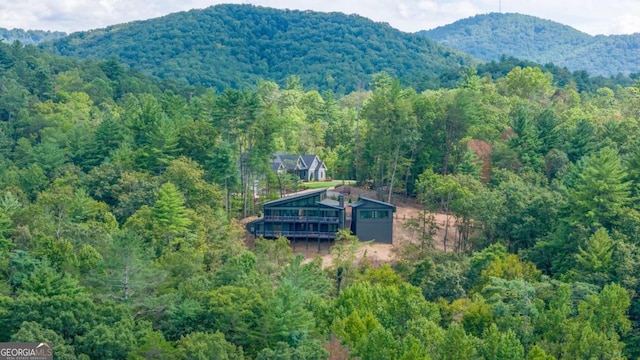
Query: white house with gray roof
column 306, row 167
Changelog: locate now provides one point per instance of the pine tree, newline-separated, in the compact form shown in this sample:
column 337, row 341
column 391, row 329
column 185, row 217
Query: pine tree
column 596, row 256
column 470, row 164
column 526, row 143
column 170, row 219
column 581, row 141
column 600, row 193
column 108, row 137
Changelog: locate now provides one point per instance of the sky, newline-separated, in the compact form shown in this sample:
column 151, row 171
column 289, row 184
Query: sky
column 590, row 16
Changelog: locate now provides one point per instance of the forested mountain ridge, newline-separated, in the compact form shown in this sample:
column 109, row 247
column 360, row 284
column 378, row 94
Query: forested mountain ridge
column 29, row 37
column 490, row 36
column 234, row 45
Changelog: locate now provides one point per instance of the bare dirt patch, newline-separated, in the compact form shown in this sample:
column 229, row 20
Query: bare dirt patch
column 405, row 211
column 373, row 253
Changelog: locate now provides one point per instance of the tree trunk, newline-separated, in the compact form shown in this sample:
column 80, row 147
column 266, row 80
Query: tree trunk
column 380, row 180
column 393, row 173
column 227, row 197
column 446, row 232
column 408, row 174
column 59, row 225
column 446, row 225
column 279, row 176
column 125, row 284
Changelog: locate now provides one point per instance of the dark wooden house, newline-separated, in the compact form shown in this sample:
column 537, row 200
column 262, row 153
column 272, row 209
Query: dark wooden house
column 310, row 215
column 317, row 215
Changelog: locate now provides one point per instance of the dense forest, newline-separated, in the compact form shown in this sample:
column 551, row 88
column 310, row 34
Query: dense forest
column 120, row 197
column 491, row 36
column 235, row 45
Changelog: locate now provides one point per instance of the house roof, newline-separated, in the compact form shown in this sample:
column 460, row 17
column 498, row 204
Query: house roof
column 331, row 203
column 297, row 196
column 363, row 200
column 291, row 161
column 308, row 159
column 276, row 164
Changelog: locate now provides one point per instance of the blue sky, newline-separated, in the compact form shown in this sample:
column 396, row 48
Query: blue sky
column 590, row 16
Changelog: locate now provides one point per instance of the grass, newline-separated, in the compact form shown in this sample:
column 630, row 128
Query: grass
column 325, row 184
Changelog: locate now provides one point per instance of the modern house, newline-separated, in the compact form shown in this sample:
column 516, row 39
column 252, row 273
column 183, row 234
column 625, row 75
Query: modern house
column 317, row 215
column 372, row 220
column 306, row 167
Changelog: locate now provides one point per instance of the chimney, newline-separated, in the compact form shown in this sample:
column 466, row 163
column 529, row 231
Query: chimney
column 341, row 201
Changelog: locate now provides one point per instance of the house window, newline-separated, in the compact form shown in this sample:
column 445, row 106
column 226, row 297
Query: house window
column 374, row 214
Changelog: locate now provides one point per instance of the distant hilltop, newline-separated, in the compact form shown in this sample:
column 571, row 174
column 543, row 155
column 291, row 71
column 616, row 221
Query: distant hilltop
column 235, row 45
column 29, row 37
column 490, row 36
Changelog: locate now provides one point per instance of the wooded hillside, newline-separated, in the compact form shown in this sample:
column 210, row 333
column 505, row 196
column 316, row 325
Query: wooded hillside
column 234, row 45
column 491, row 36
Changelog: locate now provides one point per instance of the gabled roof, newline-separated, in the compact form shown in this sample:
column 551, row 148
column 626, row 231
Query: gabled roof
column 363, row 200
column 308, row 159
column 295, row 197
column 290, row 161
column 277, row 164
column 297, row 162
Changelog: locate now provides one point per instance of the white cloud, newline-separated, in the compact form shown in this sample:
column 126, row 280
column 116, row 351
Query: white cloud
column 591, row 16
column 625, row 24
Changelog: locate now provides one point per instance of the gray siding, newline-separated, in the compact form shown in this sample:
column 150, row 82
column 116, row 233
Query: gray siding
column 302, row 216
column 373, row 222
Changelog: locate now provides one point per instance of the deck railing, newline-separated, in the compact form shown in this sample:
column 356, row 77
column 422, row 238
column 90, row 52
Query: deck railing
column 299, row 234
column 310, row 219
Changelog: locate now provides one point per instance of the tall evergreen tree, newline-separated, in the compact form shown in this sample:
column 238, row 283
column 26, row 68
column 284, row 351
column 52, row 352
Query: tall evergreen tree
column 601, row 191
column 108, row 137
column 169, row 215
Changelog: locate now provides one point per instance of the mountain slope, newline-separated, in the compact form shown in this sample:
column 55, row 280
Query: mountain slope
column 234, row 45
column 29, row 37
column 490, row 36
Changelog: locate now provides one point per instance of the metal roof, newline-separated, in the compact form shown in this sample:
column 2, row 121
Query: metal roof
column 331, row 203
column 293, row 197
column 363, row 200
